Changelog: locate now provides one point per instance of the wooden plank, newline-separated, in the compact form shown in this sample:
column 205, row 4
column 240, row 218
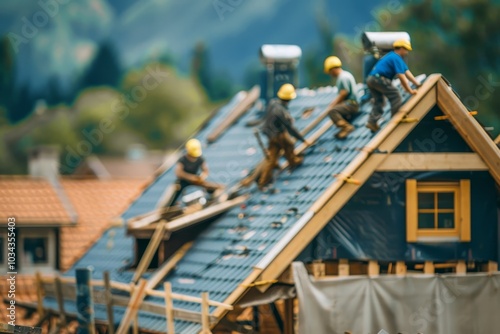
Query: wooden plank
column 169, row 308
column 470, row 130
column 432, row 161
column 411, row 210
column 204, row 214
column 491, row 267
column 400, row 268
column 428, row 268
column 465, row 215
column 145, row 220
column 239, row 110
column 133, row 307
column 109, row 303
column 150, row 251
column 167, row 197
column 168, row 266
column 205, row 312
column 60, row 300
column 361, row 168
column 289, row 316
column 135, row 321
column 318, row 268
column 39, row 295
column 190, row 299
column 373, row 268
column 343, row 267
column 461, row 268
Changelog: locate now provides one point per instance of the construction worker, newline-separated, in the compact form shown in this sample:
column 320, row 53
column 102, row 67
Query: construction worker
column 379, row 82
column 345, row 105
column 188, row 170
column 278, row 126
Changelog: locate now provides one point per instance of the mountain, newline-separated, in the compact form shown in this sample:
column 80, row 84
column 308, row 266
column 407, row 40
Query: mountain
column 66, row 35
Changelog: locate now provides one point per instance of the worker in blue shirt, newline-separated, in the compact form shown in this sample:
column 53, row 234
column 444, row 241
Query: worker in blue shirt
column 380, row 78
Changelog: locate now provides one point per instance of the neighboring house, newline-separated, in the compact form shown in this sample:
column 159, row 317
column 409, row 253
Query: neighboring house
column 55, row 222
column 421, row 189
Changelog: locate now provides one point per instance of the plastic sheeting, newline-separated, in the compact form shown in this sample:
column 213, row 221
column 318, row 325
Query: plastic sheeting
column 372, row 225
column 391, row 304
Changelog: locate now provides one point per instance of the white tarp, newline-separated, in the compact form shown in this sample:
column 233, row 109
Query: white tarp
column 428, row 304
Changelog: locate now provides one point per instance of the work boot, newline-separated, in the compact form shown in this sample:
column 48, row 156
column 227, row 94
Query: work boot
column 374, row 127
column 345, row 129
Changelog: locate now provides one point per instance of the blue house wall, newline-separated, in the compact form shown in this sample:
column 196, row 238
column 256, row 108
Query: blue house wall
column 372, row 225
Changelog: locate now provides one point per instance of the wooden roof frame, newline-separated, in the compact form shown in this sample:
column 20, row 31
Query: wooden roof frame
column 434, row 91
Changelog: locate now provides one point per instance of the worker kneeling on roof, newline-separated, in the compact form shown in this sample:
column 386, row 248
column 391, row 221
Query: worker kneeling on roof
column 188, row 170
column 345, row 105
column 278, row 126
column 379, row 82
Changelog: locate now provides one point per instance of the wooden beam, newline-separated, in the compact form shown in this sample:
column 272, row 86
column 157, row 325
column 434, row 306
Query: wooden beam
column 461, row 268
column 432, row 161
column 239, row 110
column 167, row 267
column 470, row 130
column 135, row 321
column 150, row 251
column 400, row 268
column 204, row 214
column 318, row 268
column 429, row 268
column 289, row 316
column 343, row 267
column 60, row 300
column 373, row 268
column 39, row 294
column 190, row 299
column 361, row 168
column 169, row 308
column 205, row 313
column 133, row 306
column 167, row 197
column 109, row 303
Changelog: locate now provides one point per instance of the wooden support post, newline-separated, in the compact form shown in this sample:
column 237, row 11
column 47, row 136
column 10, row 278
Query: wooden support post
column 109, row 303
column 60, row 300
column 491, row 267
column 400, row 268
column 289, row 316
column 167, row 267
column 461, row 268
column 135, row 324
column 373, row 268
column 169, row 308
column 343, row 267
column 205, row 314
column 39, row 295
column 277, row 317
column 429, row 267
column 256, row 318
column 318, row 267
column 150, row 251
column 135, row 300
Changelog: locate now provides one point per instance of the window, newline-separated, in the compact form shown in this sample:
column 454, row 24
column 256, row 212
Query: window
column 37, row 250
column 438, row 211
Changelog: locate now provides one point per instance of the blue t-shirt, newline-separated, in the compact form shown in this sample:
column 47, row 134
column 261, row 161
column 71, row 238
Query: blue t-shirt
column 390, row 65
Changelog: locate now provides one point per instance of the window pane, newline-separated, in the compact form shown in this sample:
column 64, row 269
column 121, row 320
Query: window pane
column 35, row 250
column 425, row 220
column 446, row 220
column 426, row 200
column 446, row 200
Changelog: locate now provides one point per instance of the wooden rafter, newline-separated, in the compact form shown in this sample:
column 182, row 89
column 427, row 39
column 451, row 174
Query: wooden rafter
column 432, row 161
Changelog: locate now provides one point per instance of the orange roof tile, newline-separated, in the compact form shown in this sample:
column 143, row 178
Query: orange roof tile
column 31, row 201
column 96, row 202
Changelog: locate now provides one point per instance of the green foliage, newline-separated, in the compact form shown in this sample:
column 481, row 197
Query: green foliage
column 105, row 68
column 460, row 40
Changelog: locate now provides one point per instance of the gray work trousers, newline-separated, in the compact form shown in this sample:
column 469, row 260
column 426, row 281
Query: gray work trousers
column 379, row 87
column 343, row 111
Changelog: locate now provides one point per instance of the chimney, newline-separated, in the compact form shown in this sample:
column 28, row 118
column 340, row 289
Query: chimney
column 281, row 62
column 376, row 45
column 43, row 162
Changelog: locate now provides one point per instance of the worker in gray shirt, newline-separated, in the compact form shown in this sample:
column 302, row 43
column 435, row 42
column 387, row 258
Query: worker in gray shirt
column 345, row 105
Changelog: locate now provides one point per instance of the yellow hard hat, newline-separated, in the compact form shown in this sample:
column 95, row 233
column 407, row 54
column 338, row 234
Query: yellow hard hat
column 193, row 148
column 332, row 62
column 402, row 43
column 287, row 92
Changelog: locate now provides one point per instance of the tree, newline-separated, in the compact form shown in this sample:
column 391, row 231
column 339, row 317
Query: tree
column 460, row 40
column 105, row 68
column 7, row 74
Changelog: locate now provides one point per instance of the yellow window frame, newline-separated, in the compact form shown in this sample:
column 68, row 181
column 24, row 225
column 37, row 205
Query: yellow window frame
column 460, row 231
